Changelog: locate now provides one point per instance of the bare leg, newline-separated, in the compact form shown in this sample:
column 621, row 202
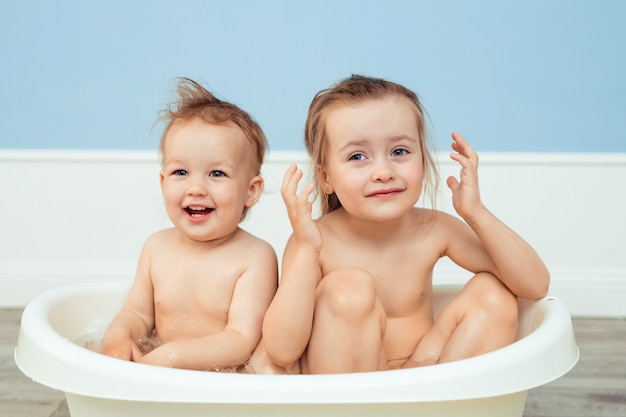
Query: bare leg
column 348, row 326
column 482, row 318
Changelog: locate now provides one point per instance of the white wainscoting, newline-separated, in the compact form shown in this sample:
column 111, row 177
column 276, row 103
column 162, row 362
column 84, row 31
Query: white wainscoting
column 72, row 216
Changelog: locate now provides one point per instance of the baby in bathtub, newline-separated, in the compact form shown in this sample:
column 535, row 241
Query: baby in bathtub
column 356, row 284
column 201, row 287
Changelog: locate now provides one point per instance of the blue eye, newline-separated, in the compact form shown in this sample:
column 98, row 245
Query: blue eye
column 217, row 173
column 356, row 157
column 399, row 152
column 180, row 172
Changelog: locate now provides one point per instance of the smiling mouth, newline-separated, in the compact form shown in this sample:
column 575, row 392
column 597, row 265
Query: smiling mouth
column 198, row 212
column 384, row 193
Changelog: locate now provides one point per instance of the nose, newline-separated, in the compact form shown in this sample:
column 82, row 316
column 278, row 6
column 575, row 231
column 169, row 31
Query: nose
column 196, row 186
column 383, row 171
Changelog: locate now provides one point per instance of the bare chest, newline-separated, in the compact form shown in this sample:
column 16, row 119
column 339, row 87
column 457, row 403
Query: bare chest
column 192, row 295
column 402, row 272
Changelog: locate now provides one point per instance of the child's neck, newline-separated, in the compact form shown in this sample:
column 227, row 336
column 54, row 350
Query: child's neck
column 377, row 231
column 192, row 243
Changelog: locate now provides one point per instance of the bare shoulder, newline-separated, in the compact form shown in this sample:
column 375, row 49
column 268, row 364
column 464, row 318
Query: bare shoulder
column 446, row 222
column 256, row 259
column 332, row 225
column 159, row 239
column 448, row 231
column 253, row 245
column 437, row 224
column 333, row 220
column 162, row 234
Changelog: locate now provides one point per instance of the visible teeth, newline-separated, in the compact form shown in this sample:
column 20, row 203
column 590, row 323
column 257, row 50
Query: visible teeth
column 198, row 211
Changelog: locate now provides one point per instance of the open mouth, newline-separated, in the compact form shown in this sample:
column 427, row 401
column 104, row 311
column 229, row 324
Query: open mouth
column 198, row 212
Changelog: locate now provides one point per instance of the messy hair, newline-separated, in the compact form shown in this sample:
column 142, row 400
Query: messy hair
column 194, row 101
column 352, row 90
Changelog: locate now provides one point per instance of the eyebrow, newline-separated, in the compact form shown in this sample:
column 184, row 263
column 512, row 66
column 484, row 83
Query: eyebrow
column 167, row 161
column 355, row 143
column 361, row 142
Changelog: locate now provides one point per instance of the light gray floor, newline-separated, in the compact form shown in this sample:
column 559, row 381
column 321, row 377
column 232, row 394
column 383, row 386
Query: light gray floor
column 595, row 388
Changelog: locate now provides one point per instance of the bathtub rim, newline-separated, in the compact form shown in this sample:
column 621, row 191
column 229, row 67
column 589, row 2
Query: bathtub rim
column 529, row 364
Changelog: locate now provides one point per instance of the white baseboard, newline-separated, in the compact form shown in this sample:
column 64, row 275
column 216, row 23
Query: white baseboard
column 73, row 216
column 591, row 293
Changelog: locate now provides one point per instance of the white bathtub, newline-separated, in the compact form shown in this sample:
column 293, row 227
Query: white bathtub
column 494, row 384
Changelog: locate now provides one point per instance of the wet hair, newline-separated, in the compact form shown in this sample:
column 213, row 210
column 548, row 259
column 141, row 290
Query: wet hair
column 353, row 90
column 194, row 101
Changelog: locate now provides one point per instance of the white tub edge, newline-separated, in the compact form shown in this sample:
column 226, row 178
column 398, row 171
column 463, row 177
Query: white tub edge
column 541, row 357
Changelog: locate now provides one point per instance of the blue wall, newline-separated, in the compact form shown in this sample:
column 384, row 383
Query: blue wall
column 531, row 75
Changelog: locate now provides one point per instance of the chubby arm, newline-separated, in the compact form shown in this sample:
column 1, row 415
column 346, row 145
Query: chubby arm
column 289, row 320
column 136, row 318
column 233, row 346
column 492, row 246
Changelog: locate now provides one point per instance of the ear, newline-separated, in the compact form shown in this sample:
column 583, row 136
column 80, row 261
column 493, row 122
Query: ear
column 255, row 189
column 161, row 179
column 323, row 179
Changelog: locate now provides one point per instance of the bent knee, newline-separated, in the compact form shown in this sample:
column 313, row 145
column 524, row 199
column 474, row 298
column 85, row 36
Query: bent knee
column 494, row 298
column 347, row 292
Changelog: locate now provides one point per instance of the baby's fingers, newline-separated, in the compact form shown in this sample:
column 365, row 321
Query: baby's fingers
column 136, row 354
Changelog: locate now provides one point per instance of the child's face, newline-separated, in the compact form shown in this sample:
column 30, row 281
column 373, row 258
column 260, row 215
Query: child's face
column 374, row 159
column 208, row 178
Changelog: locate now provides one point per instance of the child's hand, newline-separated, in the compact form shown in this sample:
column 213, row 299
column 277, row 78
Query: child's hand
column 164, row 355
column 299, row 209
column 126, row 350
column 465, row 194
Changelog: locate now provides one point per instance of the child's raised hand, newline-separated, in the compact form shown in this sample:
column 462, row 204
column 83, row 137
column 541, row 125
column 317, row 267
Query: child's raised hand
column 465, row 192
column 299, row 208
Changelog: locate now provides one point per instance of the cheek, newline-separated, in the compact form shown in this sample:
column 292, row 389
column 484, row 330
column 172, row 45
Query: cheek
column 340, row 178
column 349, row 186
column 413, row 171
column 229, row 193
column 418, row 176
column 170, row 191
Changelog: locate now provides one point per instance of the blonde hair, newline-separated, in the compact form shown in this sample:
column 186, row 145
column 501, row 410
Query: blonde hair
column 358, row 89
column 194, row 101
